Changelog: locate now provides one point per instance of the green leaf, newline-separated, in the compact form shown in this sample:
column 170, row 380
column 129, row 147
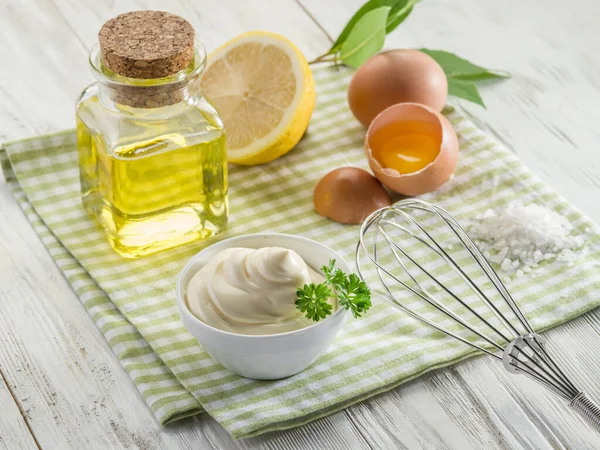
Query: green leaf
column 400, row 9
column 489, row 75
column 370, row 5
column 333, row 276
column 312, row 300
column 366, row 37
column 351, row 293
column 464, row 89
column 354, row 295
column 459, row 68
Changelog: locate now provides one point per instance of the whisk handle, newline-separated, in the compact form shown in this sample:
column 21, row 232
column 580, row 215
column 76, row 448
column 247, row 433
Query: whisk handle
column 587, row 408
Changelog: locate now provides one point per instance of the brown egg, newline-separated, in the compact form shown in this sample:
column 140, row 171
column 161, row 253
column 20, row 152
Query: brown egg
column 431, row 144
column 396, row 76
column 349, row 195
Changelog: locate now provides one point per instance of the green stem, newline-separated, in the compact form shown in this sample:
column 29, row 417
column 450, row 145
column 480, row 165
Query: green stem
column 322, row 58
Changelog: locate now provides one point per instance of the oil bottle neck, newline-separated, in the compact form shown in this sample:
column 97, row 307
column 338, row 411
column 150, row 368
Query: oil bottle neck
column 116, row 90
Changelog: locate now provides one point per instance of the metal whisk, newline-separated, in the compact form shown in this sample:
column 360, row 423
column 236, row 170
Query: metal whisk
column 422, row 262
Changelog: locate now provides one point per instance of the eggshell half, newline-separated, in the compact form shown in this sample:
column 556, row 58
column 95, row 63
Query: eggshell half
column 431, row 176
column 349, row 195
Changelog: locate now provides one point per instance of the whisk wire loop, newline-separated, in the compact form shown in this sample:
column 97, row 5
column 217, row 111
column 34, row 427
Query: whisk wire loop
column 432, row 300
column 448, row 259
column 392, row 301
column 470, row 246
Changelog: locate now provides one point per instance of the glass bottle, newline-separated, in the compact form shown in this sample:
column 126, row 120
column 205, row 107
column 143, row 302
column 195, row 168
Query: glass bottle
column 152, row 158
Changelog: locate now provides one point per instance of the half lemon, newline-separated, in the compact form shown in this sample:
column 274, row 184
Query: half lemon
column 264, row 91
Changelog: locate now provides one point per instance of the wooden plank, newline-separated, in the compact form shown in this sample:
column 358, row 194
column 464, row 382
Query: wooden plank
column 14, row 432
column 335, row 432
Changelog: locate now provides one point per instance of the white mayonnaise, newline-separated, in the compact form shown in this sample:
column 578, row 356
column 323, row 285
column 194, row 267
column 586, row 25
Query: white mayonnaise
column 248, row 291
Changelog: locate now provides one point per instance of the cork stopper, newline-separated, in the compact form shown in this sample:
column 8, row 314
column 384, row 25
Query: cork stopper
column 146, row 44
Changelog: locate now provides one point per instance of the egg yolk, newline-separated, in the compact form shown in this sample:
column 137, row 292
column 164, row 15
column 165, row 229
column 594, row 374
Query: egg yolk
column 407, row 146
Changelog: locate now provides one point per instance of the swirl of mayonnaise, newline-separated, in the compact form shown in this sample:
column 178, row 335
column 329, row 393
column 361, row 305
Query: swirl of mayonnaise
column 248, row 291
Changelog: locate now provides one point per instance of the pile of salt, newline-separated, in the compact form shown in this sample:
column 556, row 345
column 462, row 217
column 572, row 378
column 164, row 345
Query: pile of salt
column 518, row 237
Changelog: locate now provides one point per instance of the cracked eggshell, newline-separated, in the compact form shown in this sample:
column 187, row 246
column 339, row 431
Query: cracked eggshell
column 432, row 176
column 349, row 195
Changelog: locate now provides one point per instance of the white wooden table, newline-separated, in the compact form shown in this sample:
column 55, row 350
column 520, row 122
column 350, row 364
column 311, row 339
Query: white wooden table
column 61, row 386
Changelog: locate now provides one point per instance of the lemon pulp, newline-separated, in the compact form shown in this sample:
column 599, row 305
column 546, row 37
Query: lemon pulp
column 263, row 89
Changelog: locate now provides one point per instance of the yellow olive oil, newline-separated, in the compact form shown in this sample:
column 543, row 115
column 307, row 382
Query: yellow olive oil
column 154, row 179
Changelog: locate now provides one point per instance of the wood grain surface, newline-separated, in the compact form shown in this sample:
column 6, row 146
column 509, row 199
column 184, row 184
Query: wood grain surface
column 60, row 385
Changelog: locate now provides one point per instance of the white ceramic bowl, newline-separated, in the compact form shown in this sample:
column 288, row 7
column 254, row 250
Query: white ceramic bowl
column 272, row 356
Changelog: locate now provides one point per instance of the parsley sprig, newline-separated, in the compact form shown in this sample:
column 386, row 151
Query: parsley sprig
column 351, row 293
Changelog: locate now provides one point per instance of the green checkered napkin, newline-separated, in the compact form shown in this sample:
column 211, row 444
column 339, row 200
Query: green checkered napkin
column 132, row 301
